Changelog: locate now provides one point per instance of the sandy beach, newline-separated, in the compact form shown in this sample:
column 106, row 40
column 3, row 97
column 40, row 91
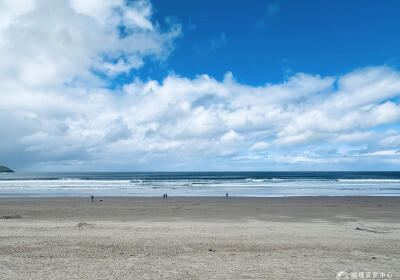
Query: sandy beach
column 199, row 237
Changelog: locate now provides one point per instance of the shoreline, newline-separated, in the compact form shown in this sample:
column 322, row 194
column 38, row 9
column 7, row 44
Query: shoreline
column 188, row 196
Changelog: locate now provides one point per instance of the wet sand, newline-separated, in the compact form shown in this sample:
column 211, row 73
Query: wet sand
column 198, row 237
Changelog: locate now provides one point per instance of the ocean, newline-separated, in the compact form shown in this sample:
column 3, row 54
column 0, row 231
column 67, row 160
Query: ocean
column 252, row 184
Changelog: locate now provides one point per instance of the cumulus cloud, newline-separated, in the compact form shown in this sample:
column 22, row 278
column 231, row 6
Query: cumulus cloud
column 49, row 43
column 231, row 135
column 149, row 121
column 57, row 111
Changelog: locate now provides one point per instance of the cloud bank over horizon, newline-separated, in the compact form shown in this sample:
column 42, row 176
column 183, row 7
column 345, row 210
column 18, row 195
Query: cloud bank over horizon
column 59, row 110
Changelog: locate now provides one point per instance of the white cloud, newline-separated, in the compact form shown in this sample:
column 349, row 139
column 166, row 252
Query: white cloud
column 350, row 108
column 300, row 159
column 356, row 137
column 260, row 146
column 191, row 119
column 10, row 10
column 390, row 141
column 228, row 153
column 384, row 153
column 56, row 111
column 54, row 42
column 230, row 136
column 188, row 119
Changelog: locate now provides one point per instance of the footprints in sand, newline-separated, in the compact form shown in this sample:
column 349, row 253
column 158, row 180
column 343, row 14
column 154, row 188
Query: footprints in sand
column 364, row 229
column 9, row 217
column 84, row 225
column 373, row 229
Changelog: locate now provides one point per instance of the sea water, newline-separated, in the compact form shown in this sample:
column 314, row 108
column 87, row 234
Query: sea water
column 253, row 184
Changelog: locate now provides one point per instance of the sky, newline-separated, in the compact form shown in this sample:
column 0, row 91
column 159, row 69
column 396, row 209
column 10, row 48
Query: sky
column 114, row 85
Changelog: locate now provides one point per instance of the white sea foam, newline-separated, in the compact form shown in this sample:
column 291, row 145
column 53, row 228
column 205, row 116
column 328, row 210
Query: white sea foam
column 371, row 180
column 184, row 185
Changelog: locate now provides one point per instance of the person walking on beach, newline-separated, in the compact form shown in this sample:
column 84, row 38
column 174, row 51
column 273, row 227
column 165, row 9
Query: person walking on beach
column 92, row 197
column 226, row 196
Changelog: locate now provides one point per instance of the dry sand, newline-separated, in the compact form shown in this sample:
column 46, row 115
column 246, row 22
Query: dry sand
column 198, row 237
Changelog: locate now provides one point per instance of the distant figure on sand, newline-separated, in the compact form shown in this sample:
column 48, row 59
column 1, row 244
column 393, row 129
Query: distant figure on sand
column 92, row 197
column 226, row 196
column 165, row 195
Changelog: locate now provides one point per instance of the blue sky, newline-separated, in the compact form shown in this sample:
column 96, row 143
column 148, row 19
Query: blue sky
column 264, row 41
column 199, row 85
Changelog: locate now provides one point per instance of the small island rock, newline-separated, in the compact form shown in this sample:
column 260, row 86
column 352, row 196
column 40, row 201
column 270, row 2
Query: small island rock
column 5, row 169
